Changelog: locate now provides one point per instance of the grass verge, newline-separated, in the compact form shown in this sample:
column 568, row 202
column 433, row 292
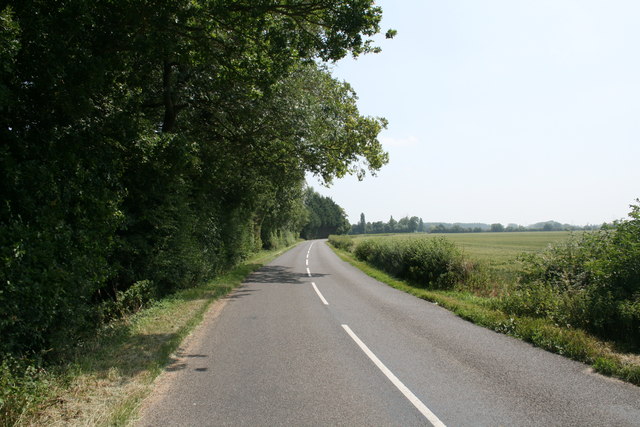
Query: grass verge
column 109, row 376
column 573, row 343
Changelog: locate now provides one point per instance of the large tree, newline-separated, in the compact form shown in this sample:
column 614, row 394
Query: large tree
column 325, row 217
column 162, row 140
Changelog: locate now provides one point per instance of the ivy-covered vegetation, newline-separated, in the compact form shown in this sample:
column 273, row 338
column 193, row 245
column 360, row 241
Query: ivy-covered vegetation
column 146, row 146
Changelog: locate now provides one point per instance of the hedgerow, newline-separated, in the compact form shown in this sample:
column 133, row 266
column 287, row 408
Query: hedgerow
column 434, row 263
column 591, row 281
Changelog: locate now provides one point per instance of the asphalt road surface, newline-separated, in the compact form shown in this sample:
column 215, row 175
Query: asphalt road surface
column 310, row 340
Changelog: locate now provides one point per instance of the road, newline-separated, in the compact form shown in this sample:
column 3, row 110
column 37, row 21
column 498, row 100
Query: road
column 311, row 340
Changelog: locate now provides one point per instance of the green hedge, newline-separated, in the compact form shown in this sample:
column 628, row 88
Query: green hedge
column 434, row 263
column 343, row 242
column 590, row 282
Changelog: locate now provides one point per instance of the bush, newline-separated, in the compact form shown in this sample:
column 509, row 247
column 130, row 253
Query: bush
column 278, row 239
column 592, row 282
column 434, row 263
column 343, row 242
column 23, row 384
column 139, row 295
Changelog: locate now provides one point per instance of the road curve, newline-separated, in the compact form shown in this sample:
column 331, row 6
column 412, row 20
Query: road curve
column 310, row 340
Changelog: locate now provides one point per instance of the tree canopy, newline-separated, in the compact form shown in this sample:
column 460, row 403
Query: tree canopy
column 325, row 217
column 161, row 142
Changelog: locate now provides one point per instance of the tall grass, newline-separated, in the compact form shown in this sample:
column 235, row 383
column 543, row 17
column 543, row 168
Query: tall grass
column 24, row 384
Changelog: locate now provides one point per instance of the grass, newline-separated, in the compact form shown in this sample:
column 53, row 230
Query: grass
column 483, row 310
column 109, row 376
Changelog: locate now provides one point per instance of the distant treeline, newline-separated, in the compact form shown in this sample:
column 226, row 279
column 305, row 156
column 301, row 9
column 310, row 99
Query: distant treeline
column 417, row 225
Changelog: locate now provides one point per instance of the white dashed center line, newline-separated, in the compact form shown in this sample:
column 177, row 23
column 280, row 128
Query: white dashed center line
column 403, row 389
column 324, row 301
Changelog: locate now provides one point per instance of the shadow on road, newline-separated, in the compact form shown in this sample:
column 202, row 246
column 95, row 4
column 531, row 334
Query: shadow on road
column 242, row 291
column 278, row 275
column 178, row 362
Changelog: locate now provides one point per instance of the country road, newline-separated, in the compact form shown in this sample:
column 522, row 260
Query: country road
column 310, row 340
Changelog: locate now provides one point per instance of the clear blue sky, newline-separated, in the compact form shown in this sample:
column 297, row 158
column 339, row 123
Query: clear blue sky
column 501, row 111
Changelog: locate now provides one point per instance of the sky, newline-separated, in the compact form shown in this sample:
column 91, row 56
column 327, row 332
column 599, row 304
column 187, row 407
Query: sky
column 501, row 111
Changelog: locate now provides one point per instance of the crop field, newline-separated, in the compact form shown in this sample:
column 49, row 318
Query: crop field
column 497, row 251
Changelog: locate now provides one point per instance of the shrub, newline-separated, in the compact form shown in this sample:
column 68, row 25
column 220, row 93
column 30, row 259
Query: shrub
column 434, row 263
column 23, row 384
column 342, row 242
column 591, row 281
column 277, row 239
column 131, row 300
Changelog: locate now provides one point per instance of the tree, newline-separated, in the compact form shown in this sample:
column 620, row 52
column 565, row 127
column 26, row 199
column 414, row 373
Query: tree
column 392, row 224
column 162, row 142
column 439, row 228
column 497, row 227
column 413, row 224
column 362, row 225
column 377, row 227
column 325, row 217
column 403, row 225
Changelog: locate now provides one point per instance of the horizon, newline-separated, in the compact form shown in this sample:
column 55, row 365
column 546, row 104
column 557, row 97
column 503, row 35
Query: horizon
column 473, row 222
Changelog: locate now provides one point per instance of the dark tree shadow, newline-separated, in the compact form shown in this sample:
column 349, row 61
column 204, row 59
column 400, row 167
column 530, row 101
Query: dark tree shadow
column 242, row 291
column 277, row 275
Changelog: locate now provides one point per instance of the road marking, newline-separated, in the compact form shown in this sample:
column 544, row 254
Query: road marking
column 324, row 301
column 403, row 389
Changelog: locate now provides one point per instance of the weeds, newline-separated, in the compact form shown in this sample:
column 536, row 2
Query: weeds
column 23, row 384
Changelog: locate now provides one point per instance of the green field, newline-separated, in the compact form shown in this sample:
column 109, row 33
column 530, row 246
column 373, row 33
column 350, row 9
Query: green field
column 498, row 251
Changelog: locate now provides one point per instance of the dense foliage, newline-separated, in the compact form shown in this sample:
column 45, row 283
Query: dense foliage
column 404, row 225
column 434, row 263
column 325, row 217
column 590, row 282
column 148, row 145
